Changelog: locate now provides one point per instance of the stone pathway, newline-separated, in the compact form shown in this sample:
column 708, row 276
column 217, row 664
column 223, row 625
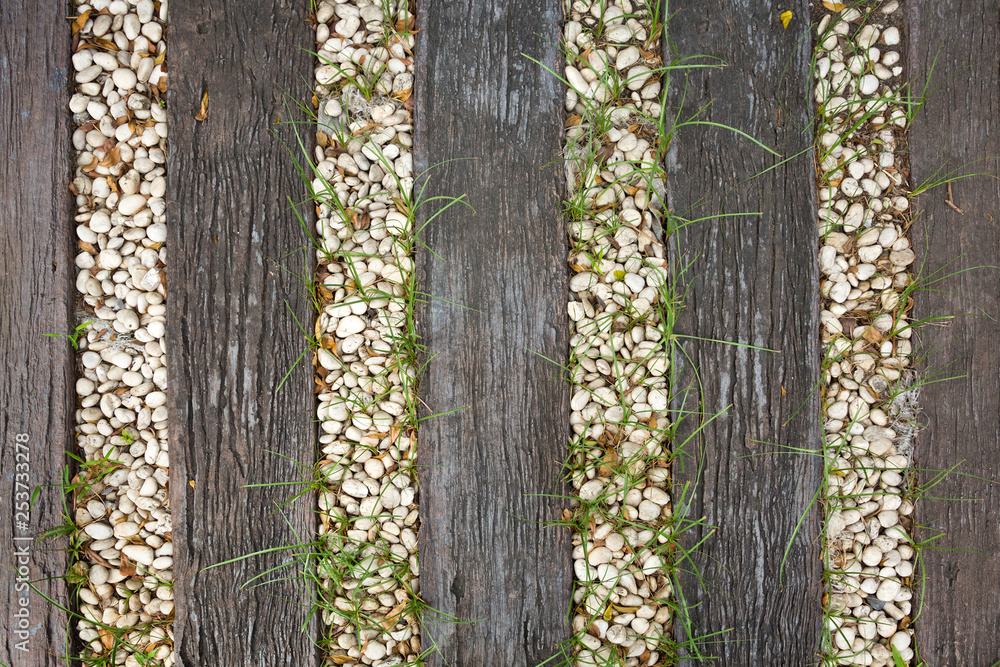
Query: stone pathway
column 366, row 364
column 619, row 461
column 869, row 392
column 120, row 492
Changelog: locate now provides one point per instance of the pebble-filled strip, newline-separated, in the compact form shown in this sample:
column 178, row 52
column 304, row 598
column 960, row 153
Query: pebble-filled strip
column 366, row 369
column 619, row 461
column 868, row 399
column 120, row 492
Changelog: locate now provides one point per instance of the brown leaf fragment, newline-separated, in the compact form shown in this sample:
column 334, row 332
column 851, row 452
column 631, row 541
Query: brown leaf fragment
column 393, row 616
column 574, row 120
column 323, row 139
column 80, row 21
column 107, row 639
column 873, row 336
column 96, row 558
column 127, row 567
column 403, row 95
column 112, row 158
column 834, row 6
column 203, row 112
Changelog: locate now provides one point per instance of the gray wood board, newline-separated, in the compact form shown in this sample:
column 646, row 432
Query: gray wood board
column 234, row 247
column 752, row 280
column 497, row 301
column 36, row 293
column 958, row 125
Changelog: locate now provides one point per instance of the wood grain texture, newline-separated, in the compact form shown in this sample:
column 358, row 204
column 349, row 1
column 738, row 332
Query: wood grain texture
column 485, row 557
column 231, row 331
column 959, row 124
column 753, row 281
column 36, row 290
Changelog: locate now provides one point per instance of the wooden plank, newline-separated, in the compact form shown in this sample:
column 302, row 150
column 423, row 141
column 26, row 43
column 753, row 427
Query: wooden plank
column 754, row 281
column 957, row 125
column 231, row 333
column 36, row 291
column 485, row 556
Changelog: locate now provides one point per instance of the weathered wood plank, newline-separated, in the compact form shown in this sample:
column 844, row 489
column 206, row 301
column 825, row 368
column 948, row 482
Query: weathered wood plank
column 485, row 556
column 232, row 337
column 754, row 282
column 36, row 290
column 957, row 125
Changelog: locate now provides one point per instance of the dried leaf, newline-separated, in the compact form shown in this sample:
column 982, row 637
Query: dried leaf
column 203, row 113
column 341, row 659
column 93, row 556
column 191, row 483
column 786, row 18
column 107, row 639
column 873, row 336
column 393, row 616
column 87, row 247
column 834, row 6
column 403, row 95
column 112, row 158
column 322, row 139
column 160, row 58
column 573, row 120
column 81, row 21
column 127, row 567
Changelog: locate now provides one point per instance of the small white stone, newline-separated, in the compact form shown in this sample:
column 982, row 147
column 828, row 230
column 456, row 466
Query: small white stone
column 354, row 488
column 351, row 324
column 99, row 531
column 131, row 204
column 124, row 78
column 139, row 553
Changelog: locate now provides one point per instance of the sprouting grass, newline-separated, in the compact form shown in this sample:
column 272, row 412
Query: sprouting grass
column 74, row 336
column 101, row 644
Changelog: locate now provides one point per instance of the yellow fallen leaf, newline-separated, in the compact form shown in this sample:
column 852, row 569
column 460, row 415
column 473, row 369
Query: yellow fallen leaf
column 81, row 21
column 203, row 112
column 786, row 18
column 834, row 6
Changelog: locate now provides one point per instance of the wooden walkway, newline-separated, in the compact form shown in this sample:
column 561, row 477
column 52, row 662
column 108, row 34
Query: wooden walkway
column 753, row 281
column 36, row 296
column 957, row 126
column 499, row 290
column 233, row 299
column 499, row 285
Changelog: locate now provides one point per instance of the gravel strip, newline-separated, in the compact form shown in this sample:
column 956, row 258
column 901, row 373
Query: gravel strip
column 120, row 493
column 619, row 461
column 366, row 368
column 869, row 394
